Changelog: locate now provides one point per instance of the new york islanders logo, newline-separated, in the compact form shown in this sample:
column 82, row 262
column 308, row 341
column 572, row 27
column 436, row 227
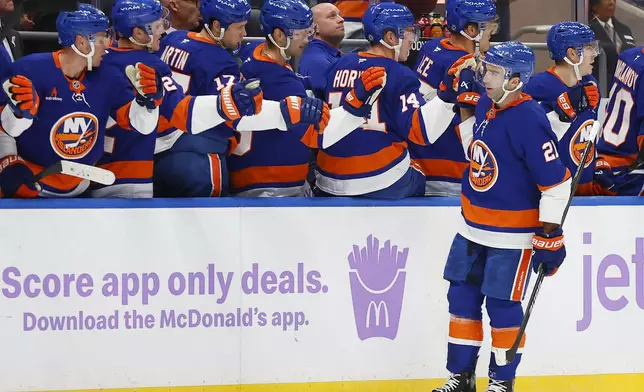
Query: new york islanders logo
column 578, row 143
column 484, row 169
column 74, row 135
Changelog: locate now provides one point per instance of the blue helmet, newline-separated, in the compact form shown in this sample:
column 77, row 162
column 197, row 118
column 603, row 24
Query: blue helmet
column 226, row 12
column 87, row 21
column 459, row 13
column 383, row 17
column 514, row 57
column 128, row 14
column 565, row 35
column 286, row 15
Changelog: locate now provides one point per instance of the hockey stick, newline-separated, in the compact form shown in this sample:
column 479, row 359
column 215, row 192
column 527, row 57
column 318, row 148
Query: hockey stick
column 79, row 170
column 504, row 357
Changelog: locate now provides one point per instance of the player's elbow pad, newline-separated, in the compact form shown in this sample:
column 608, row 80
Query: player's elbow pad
column 12, row 125
column 553, row 202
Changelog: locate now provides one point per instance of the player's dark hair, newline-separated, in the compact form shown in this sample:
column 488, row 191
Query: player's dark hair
column 466, row 26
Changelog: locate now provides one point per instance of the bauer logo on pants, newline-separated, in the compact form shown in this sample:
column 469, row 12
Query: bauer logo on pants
column 377, row 279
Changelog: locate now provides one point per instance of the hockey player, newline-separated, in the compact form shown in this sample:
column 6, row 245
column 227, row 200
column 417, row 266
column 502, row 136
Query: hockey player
column 59, row 104
column 513, row 200
column 130, row 155
column 569, row 94
column 374, row 161
column 273, row 163
column 196, row 165
column 623, row 128
column 471, row 24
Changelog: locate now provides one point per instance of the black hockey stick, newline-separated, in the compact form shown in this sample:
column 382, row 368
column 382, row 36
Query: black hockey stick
column 504, row 357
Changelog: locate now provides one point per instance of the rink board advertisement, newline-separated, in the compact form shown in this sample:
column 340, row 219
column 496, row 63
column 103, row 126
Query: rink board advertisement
column 291, row 297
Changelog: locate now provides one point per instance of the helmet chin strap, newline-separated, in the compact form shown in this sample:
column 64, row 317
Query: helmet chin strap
column 396, row 48
column 219, row 39
column 89, row 56
column 507, row 92
column 575, row 66
column 476, row 39
column 282, row 49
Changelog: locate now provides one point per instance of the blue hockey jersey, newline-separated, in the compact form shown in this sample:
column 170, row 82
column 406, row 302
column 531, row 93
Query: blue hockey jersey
column 130, row 155
column 375, row 156
column 546, row 87
column 201, row 67
column 71, row 120
column 315, row 62
column 512, row 170
column 271, row 163
column 623, row 127
column 444, row 162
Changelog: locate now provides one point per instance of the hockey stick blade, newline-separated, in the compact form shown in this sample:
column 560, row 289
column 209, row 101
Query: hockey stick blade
column 504, row 357
column 79, row 170
column 253, row 85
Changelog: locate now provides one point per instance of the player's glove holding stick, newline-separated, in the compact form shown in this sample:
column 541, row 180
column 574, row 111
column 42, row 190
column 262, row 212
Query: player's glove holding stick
column 240, row 99
column 22, row 96
column 576, row 100
column 548, row 250
column 365, row 92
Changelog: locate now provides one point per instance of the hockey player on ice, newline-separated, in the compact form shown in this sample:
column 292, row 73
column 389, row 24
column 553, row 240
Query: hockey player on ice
column 130, row 155
column 59, row 104
column 472, row 23
column 515, row 182
column 570, row 96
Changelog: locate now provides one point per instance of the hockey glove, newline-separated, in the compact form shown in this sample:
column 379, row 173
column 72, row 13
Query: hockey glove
column 448, row 90
column 16, row 179
column 22, row 96
column 468, row 95
column 548, row 250
column 240, row 100
column 148, row 84
column 604, row 174
column 314, row 111
column 365, row 92
column 576, row 100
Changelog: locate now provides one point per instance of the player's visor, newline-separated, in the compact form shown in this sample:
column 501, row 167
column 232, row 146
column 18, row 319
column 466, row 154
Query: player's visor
column 102, row 38
column 159, row 27
column 412, row 33
column 592, row 49
column 304, row 34
column 492, row 26
column 490, row 75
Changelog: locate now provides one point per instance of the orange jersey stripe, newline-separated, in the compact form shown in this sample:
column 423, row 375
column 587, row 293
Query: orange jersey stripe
column 503, row 338
column 215, row 170
column 353, row 9
column 416, row 131
column 442, row 168
column 310, row 138
column 181, row 114
column 61, row 182
column 461, row 328
column 123, row 116
column 618, row 160
column 268, row 175
column 130, row 169
column 545, row 188
column 499, row 218
column 361, row 164
column 522, row 275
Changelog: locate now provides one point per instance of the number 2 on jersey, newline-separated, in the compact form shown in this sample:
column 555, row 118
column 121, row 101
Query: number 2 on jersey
column 373, row 124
